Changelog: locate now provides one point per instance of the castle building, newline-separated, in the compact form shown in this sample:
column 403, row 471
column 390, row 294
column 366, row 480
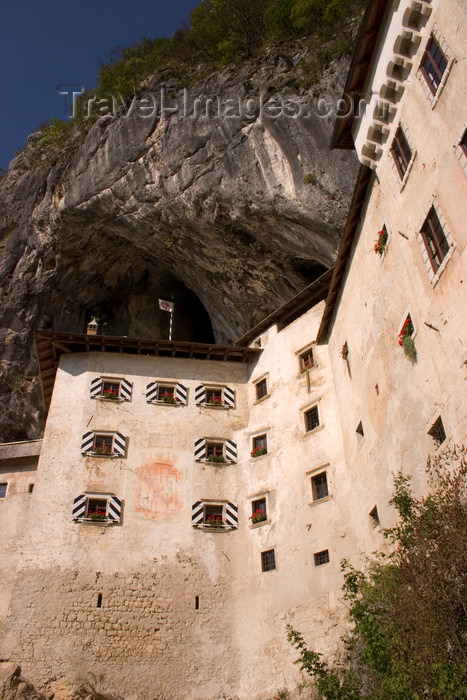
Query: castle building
column 190, row 500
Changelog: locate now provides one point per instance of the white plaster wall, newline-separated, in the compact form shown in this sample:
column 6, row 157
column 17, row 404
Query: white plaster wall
column 377, row 295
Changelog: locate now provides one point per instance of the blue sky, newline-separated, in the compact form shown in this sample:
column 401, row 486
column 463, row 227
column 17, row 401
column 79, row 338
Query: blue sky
column 46, row 43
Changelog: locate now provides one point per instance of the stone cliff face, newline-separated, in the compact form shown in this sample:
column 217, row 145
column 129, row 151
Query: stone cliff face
column 230, row 213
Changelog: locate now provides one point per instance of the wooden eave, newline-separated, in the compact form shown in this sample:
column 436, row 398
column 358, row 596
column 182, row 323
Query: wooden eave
column 292, row 309
column 356, row 79
column 364, row 178
column 51, row 346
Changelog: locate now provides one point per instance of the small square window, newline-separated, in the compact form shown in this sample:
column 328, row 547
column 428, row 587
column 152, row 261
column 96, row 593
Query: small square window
column 258, row 511
column 401, row 152
column 96, row 508
column 260, row 446
column 437, row 432
column 103, row 444
column 214, row 449
column 374, row 517
column 3, row 488
column 321, row 557
column 319, row 486
column 307, row 360
column 311, row 419
column 110, row 390
column 213, row 395
column 166, row 393
column 261, row 389
column 433, row 65
column 434, row 239
column 268, row 560
column 213, row 515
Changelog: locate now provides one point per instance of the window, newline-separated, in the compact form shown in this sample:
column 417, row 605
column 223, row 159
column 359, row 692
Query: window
column 103, row 444
column 30, row 488
column 374, row 517
column 111, row 389
column 319, row 486
column 259, row 445
column 321, row 557
column 359, row 429
column 166, row 393
column 268, row 560
column 259, row 512
column 210, row 514
column 222, row 397
column 3, row 489
column 433, row 65
column 401, row 152
column 215, row 450
column 261, row 389
column 311, row 419
column 437, row 432
column 97, row 507
column 434, row 239
column 213, row 515
column 307, row 360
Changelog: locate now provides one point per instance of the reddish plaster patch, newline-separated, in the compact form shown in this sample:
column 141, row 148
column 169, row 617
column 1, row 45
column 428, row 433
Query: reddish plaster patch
column 158, row 492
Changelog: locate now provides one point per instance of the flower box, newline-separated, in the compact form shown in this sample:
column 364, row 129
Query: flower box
column 258, row 516
column 258, row 452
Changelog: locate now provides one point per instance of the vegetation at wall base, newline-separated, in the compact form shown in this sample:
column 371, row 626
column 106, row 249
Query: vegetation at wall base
column 408, row 608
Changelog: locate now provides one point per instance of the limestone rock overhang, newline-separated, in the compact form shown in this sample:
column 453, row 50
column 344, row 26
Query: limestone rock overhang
column 51, row 346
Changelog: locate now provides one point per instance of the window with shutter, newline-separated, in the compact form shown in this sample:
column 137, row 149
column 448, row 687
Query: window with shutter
column 110, row 389
column 98, row 508
column 103, row 444
column 215, row 450
column 219, row 515
column 166, row 393
column 214, row 396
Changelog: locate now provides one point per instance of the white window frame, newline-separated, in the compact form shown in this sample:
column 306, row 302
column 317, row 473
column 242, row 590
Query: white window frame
column 258, row 380
column 435, row 276
column 260, row 433
column 413, row 152
column 309, row 346
column 218, row 388
column 438, row 37
column 260, row 497
column 310, row 474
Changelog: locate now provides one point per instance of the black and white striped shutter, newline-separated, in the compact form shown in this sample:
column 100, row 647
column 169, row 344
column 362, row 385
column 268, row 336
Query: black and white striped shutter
column 200, row 394
column 230, row 451
column 79, row 507
column 119, row 444
column 231, row 514
column 197, row 512
column 87, row 443
column 115, row 509
column 180, row 394
column 229, row 397
column 200, row 449
column 151, row 391
column 96, row 387
column 125, row 390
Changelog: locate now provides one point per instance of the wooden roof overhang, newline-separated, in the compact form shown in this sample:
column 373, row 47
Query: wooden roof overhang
column 370, row 27
column 364, row 178
column 51, row 346
column 292, row 309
